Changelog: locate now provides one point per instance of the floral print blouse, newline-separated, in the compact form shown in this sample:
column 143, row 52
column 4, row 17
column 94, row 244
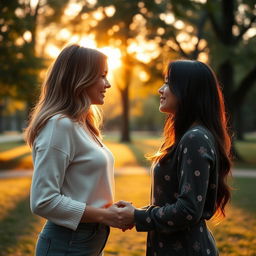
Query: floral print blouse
column 184, row 190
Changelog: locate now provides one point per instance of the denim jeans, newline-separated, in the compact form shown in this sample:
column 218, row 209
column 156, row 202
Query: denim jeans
column 88, row 240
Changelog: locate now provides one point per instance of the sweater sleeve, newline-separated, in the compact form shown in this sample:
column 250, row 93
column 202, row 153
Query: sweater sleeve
column 195, row 159
column 52, row 155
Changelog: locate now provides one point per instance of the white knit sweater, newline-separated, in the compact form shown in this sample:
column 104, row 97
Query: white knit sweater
column 70, row 171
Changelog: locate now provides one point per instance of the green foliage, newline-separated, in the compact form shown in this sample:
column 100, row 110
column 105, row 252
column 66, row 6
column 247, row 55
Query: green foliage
column 19, row 61
column 19, row 65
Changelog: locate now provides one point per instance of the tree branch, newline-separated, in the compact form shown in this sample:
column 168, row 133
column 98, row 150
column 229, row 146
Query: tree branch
column 181, row 51
column 38, row 6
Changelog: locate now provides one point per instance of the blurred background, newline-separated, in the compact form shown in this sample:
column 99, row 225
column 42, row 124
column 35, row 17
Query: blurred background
column 140, row 38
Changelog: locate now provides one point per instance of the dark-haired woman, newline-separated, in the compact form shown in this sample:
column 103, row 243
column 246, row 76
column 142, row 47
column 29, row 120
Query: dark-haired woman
column 190, row 169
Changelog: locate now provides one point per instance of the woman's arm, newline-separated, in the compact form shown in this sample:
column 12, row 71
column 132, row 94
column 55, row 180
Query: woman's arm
column 109, row 216
column 195, row 159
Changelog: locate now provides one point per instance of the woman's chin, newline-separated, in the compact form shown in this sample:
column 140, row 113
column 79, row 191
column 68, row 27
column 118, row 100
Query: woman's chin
column 165, row 110
column 98, row 102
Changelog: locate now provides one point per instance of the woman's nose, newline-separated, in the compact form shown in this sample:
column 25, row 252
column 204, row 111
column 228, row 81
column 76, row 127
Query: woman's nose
column 161, row 89
column 107, row 84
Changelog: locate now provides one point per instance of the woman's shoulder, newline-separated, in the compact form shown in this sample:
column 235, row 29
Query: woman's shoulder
column 198, row 132
column 61, row 121
column 57, row 129
column 197, row 136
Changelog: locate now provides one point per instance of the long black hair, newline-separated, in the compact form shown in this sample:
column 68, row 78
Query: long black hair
column 199, row 100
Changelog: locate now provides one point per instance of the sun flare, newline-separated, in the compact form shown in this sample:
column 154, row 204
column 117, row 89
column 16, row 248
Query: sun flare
column 113, row 54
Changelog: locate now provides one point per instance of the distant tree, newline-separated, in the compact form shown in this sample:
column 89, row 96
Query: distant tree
column 234, row 47
column 19, row 60
column 222, row 29
column 19, row 65
column 119, row 25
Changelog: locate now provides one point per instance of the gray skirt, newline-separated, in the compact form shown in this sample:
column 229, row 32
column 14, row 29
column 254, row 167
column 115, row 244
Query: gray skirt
column 88, row 240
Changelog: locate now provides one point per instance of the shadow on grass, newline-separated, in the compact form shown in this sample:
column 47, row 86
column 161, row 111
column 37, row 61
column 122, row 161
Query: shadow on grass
column 10, row 145
column 13, row 163
column 18, row 222
column 138, row 154
column 248, row 140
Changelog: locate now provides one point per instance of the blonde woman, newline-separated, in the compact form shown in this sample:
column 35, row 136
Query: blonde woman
column 72, row 184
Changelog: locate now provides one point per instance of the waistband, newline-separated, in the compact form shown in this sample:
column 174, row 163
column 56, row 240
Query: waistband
column 81, row 226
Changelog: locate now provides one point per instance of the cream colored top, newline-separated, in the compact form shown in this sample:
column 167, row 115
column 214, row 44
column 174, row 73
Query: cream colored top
column 71, row 170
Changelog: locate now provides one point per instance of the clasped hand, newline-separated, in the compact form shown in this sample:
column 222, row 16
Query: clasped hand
column 121, row 215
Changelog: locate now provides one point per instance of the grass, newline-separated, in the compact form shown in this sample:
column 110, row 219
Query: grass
column 17, row 155
column 19, row 227
column 235, row 235
column 247, row 150
column 9, row 145
column 242, row 194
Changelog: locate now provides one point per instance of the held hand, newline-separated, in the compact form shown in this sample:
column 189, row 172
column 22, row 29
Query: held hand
column 122, row 203
column 126, row 214
column 111, row 216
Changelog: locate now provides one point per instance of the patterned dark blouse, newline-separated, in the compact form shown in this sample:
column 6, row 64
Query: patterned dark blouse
column 184, row 189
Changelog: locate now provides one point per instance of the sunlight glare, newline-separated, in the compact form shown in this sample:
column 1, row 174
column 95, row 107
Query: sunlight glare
column 114, row 56
column 88, row 41
column 144, row 76
column 182, row 37
column 167, row 18
column 179, row 24
column 143, row 50
column 98, row 15
column 203, row 57
column 73, row 9
column 200, row 1
column 110, row 10
column 53, row 51
column 27, row 36
column 33, row 3
column 64, row 33
column 91, row 2
column 251, row 32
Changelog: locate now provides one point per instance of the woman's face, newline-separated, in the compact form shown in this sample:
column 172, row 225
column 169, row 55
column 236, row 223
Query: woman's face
column 96, row 92
column 168, row 100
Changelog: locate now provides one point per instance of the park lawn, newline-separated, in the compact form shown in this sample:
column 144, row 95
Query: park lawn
column 9, row 145
column 247, row 150
column 18, row 156
column 235, row 235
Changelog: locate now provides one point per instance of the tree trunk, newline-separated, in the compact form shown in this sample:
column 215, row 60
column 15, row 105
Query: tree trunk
column 226, row 77
column 125, row 129
column 238, row 121
column 1, row 117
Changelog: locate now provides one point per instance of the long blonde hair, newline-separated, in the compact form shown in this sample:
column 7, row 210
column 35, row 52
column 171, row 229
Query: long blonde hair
column 64, row 90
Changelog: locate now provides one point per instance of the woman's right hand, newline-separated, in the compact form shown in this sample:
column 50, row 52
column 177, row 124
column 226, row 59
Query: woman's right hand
column 112, row 217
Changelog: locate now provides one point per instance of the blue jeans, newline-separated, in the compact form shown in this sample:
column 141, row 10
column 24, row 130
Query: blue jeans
column 88, row 240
